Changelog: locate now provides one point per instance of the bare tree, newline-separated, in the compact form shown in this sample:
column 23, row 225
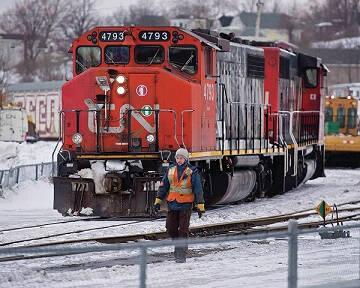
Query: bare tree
column 76, row 24
column 143, row 8
column 342, row 14
column 36, row 20
column 293, row 20
column 247, row 6
column 119, row 17
column 5, row 71
column 346, row 11
column 206, row 9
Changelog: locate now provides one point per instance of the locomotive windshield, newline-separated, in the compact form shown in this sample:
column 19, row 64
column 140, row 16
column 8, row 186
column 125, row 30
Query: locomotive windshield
column 149, row 54
column 87, row 57
column 184, row 58
column 117, row 54
column 311, row 78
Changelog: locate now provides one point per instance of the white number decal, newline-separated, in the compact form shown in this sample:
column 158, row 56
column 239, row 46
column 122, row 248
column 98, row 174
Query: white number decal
column 154, row 36
column 111, row 36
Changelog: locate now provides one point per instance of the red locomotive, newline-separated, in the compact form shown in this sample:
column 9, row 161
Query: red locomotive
column 250, row 115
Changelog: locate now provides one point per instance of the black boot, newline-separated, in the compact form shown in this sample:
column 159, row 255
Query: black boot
column 180, row 255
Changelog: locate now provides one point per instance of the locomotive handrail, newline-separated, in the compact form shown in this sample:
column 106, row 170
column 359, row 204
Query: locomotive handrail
column 282, row 139
column 292, row 138
column 182, row 125
column 294, row 142
column 172, row 111
column 62, row 112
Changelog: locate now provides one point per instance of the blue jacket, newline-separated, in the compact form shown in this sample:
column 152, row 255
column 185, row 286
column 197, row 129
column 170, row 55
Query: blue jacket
column 195, row 185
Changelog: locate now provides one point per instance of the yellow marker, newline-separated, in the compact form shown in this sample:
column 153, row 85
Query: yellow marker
column 323, row 209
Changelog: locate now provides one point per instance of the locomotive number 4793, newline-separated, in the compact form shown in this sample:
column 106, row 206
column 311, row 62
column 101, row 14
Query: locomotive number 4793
column 111, row 36
column 154, row 36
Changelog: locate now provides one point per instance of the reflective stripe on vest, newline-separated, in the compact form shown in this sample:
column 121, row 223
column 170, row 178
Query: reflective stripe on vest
column 181, row 190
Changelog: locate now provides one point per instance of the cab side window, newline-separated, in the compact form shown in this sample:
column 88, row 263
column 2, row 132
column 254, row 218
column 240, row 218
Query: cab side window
column 311, row 78
column 183, row 58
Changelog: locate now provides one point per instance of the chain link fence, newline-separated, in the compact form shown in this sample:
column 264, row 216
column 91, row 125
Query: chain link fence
column 13, row 176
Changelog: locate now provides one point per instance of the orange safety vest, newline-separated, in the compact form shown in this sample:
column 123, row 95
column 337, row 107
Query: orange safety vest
column 181, row 190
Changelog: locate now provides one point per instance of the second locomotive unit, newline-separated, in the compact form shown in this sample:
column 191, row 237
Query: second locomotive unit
column 250, row 115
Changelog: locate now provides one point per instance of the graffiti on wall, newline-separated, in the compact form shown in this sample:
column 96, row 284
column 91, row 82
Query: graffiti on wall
column 42, row 109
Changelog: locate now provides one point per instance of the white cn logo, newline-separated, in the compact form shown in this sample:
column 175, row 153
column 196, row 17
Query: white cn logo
column 141, row 90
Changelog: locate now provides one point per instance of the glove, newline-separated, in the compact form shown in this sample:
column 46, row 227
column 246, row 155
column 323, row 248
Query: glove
column 157, row 204
column 157, row 207
column 200, row 209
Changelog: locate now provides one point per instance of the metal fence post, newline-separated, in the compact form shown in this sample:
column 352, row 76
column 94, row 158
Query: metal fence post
column 36, row 172
column 293, row 247
column 143, row 262
column 17, row 174
column 1, row 177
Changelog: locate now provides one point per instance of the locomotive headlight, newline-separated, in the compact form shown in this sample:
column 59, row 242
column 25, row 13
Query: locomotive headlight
column 77, row 138
column 121, row 90
column 150, row 138
column 121, row 79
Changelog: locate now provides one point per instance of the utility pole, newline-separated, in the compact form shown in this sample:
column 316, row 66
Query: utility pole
column 259, row 6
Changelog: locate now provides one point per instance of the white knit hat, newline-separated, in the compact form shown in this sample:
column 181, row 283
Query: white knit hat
column 182, row 153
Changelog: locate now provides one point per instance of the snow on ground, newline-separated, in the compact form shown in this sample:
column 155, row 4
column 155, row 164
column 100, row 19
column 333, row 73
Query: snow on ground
column 15, row 154
column 258, row 263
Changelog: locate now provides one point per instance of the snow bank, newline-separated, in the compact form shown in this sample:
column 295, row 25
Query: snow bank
column 14, row 154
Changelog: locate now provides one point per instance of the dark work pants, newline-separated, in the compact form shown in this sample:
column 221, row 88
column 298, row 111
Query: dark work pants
column 177, row 226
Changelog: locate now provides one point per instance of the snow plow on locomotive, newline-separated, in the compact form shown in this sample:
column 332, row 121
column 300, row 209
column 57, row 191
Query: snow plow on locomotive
column 250, row 115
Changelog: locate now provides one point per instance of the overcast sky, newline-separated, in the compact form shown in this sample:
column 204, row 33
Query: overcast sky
column 108, row 6
column 104, row 6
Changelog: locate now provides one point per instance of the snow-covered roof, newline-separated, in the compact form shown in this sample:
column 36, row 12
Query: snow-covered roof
column 345, row 43
column 35, row 86
column 324, row 24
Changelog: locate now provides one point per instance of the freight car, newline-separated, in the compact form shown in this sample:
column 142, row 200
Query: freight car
column 42, row 103
column 13, row 124
column 250, row 115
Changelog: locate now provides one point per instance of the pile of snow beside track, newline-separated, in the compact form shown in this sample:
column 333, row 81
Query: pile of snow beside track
column 15, row 154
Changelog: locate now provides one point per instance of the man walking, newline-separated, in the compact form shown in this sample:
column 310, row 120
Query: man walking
column 182, row 184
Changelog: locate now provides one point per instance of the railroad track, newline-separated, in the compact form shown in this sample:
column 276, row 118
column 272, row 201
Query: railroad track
column 48, row 224
column 65, row 233
column 248, row 226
